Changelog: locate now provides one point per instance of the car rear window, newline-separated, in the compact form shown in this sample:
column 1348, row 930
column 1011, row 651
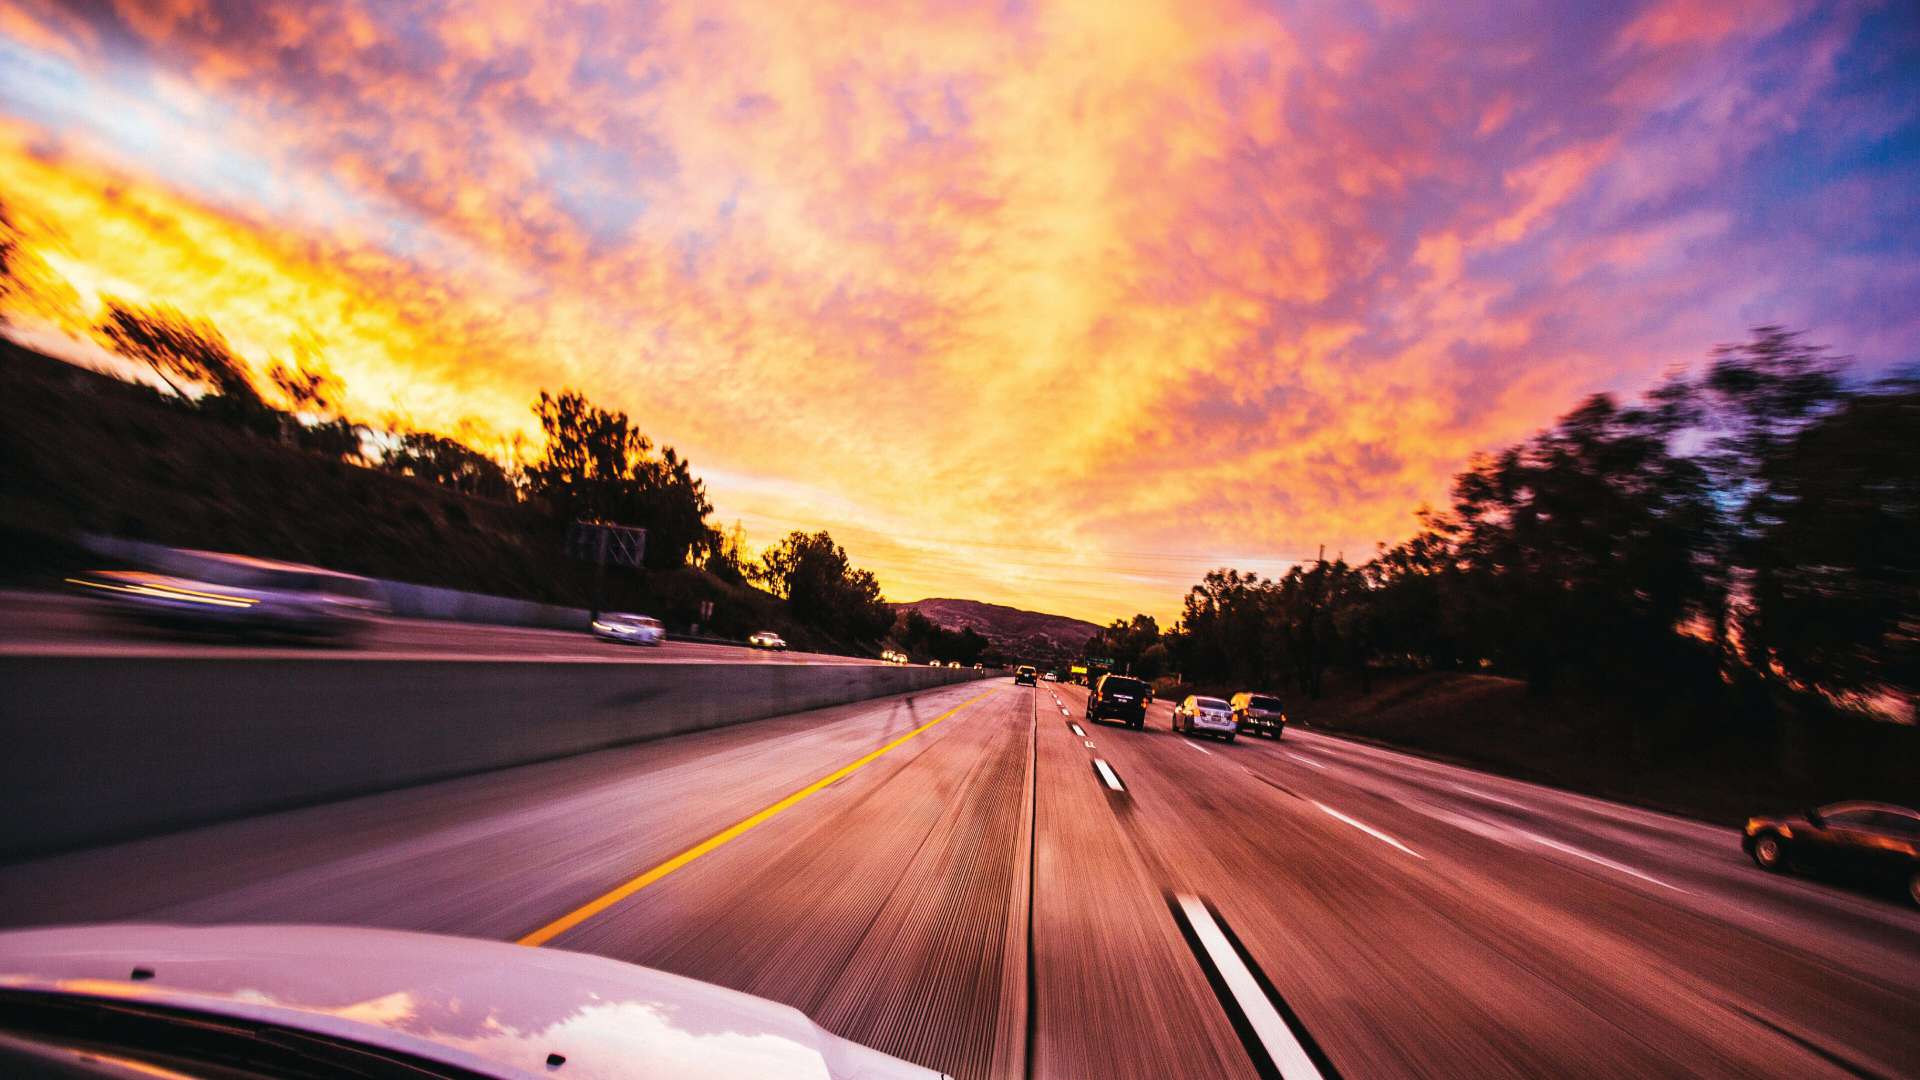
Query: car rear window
column 1118, row 685
column 1267, row 703
column 1897, row 823
column 1209, row 703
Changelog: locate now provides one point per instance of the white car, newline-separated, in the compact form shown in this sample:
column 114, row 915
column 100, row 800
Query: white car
column 1051, row 677
column 242, row 596
column 767, row 639
column 338, row 1001
column 1204, row 716
column 629, row 629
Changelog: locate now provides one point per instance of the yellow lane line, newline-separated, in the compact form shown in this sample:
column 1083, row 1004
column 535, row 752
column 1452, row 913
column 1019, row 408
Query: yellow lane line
column 733, row 832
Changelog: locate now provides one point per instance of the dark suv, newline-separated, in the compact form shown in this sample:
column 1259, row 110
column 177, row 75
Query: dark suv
column 1261, row 714
column 1119, row 697
column 1025, row 675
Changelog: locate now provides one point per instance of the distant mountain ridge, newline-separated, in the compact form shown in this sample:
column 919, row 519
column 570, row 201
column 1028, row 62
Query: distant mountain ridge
column 1011, row 628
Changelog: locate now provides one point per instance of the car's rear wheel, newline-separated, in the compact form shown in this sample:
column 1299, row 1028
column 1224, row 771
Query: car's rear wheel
column 1228, row 736
column 1769, row 853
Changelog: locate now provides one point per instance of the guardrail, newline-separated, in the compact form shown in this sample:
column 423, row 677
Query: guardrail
column 103, row 748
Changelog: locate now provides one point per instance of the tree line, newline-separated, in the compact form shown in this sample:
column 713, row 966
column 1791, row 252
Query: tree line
column 923, row 639
column 593, row 463
column 1751, row 532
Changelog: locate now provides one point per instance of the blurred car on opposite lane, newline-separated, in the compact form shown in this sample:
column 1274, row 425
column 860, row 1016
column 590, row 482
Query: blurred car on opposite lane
column 132, row 1000
column 1119, row 697
column 1025, row 675
column 1875, row 842
column 240, row 596
column 628, row 628
column 1258, row 714
column 766, row 639
column 1199, row 715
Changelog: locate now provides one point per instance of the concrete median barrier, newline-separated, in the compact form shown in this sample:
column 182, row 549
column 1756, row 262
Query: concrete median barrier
column 97, row 749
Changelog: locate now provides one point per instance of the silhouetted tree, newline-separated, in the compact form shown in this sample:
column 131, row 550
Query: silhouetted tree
column 1126, row 642
column 176, row 347
column 1836, row 602
column 1757, row 397
column 448, row 463
column 1582, row 547
column 823, row 589
column 317, row 393
column 597, row 466
column 9, row 252
column 726, row 554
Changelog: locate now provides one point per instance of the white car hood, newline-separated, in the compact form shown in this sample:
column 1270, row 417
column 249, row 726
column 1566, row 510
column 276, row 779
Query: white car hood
column 486, row 1006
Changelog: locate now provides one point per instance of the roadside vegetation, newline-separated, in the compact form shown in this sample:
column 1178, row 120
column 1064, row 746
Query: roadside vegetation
column 213, row 452
column 1721, row 578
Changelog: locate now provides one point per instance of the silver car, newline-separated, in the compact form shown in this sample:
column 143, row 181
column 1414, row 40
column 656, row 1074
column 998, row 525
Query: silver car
column 235, row 594
column 334, row 1001
column 1204, row 716
column 629, row 629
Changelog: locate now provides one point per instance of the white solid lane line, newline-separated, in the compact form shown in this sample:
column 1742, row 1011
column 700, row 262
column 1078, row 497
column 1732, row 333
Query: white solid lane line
column 1077, row 731
column 1306, row 761
column 1198, row 747
column 1275, row 1037
column 1368, row 829
column 1107, row 775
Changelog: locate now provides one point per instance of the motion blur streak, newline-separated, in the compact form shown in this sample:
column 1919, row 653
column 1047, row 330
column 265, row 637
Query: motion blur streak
column 1312, row 258
column 899, row 912
column 599, row 904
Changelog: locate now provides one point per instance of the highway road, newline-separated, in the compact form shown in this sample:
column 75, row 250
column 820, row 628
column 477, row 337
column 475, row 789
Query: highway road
column 59, row 624
column 977, row 879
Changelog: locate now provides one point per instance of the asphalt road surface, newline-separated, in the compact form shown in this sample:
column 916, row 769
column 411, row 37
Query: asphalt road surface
column 976, row 879
column 56, row 624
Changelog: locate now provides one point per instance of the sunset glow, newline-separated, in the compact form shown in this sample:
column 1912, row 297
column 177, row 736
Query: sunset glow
column 1054, row 305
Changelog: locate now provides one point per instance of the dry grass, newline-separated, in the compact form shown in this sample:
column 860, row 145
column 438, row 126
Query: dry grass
column 1706, row 764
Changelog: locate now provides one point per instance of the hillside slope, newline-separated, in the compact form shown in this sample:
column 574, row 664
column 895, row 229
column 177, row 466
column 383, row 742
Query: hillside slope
column 82, row 452
column 1012, row 629
column 1654, row 753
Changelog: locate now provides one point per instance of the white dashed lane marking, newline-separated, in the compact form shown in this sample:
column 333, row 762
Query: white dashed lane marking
column 1276, row 1038
column 1368, row 829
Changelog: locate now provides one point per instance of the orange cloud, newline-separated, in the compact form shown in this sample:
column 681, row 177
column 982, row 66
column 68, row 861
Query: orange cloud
column 1056, row 305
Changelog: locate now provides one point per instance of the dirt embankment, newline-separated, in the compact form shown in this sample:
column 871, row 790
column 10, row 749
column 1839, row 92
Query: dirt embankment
column 1718, row 766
